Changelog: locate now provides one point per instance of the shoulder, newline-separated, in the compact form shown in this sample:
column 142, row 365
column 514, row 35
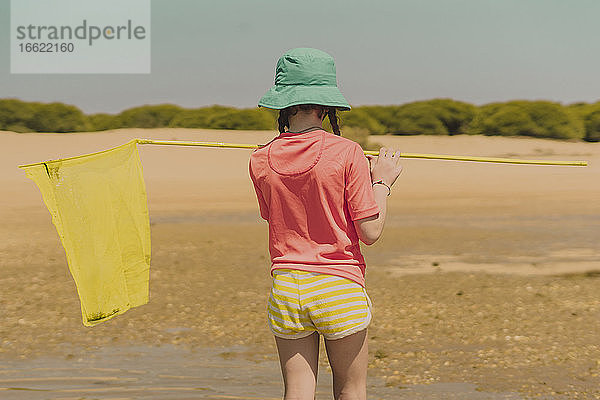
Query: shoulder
column 343, row 146
column 261, row 152
column 347, row 149
column 341, row 140
column 258, row 160
column 343, row 151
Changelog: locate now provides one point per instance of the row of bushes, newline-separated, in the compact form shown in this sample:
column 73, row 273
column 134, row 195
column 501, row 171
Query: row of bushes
column 541, row 119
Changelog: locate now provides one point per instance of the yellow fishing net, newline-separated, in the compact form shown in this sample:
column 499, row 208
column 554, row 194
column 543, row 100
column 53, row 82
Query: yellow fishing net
column 98, row 205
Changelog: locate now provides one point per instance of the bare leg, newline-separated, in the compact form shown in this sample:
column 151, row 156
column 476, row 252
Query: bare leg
column 299, row 360
column 349, row 358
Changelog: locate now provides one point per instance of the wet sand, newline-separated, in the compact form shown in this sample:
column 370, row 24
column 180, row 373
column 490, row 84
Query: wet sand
column 176, row 372
column 485, row 282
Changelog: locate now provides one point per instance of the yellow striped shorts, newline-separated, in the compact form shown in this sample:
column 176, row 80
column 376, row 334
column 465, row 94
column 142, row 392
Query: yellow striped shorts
column 303, row 302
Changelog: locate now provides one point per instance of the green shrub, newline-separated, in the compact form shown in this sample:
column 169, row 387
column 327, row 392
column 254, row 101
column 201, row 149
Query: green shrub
column 57, row 117
column 592, row 127
column 502, row 119
column 103, row 122
column 219, row 117
column 554, row 120
column 15, row 115
column 247, row 119
column 528, row 118
column 417, row 118
column 18, row 128
column 589, row 115
column 455, row 115
column 384, row 115
column 198, row 117
column 434, row 117
column 360, row 118
column 148, row 116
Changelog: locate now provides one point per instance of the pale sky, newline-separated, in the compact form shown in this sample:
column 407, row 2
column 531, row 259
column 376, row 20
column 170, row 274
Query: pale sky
column 386, row 52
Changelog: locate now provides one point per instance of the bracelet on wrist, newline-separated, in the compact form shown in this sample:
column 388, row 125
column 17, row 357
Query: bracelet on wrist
column 384, row 184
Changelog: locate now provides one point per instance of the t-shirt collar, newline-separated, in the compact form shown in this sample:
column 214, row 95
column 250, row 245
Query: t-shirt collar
column 289, row 134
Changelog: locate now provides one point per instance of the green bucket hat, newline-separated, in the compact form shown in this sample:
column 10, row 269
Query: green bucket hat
column 304, row 76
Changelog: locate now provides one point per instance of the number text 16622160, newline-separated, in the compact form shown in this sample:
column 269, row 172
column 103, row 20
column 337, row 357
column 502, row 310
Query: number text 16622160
column 46, row 47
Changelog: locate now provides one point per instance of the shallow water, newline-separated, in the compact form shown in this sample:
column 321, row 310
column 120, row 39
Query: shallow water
column 172, row 372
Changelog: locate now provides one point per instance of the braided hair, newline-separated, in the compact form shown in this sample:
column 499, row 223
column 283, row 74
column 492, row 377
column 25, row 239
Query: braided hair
column 284, row 115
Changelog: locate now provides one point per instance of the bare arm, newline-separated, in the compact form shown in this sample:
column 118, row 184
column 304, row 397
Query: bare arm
column 369, row 229
column 386, row 167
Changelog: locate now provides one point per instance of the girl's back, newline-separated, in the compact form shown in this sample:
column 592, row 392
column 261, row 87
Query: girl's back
column 311, row 186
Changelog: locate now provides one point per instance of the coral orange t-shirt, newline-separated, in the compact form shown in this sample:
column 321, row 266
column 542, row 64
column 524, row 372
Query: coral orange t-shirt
column 310, row 188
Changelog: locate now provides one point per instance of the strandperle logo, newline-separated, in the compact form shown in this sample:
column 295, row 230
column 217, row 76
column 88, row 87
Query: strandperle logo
column 75, row 36
column 84, row 31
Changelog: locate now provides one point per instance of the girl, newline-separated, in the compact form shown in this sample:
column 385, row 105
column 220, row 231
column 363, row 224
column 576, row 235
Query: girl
column 319, row 196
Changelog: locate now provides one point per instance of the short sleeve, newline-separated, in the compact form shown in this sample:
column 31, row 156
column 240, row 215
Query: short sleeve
column 358, row 192
column 262, row 204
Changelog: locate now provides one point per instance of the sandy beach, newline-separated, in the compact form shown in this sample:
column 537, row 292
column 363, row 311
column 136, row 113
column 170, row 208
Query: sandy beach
column 484, row 283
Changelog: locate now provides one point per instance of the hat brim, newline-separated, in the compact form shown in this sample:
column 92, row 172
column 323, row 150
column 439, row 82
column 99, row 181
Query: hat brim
column 282, row 96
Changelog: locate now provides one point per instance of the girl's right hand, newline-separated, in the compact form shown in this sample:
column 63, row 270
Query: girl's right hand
column 386, row 166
